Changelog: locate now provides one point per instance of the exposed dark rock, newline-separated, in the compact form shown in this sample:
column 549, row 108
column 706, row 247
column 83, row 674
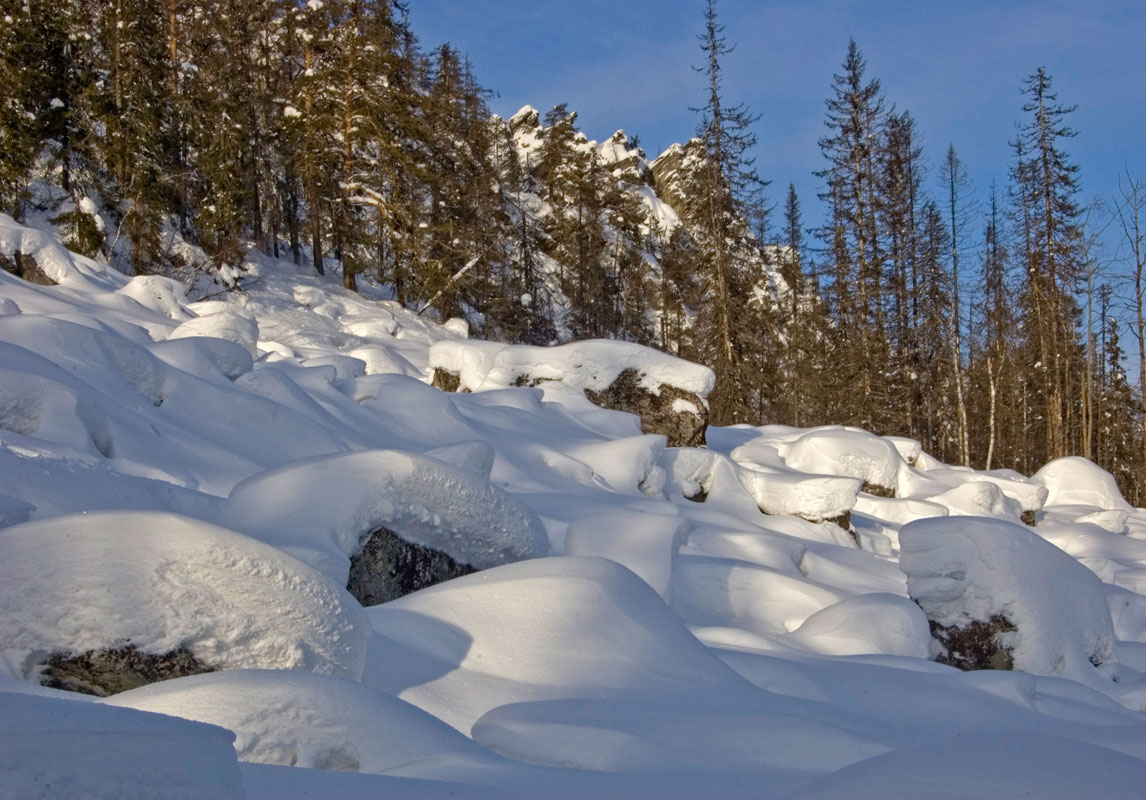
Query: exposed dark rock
column 111, row 671
column 388, row 567
column 681, row 428
column 1029, row 517
column 445, row 380
column 25, row 267
column 877, row 490
column 978, row 645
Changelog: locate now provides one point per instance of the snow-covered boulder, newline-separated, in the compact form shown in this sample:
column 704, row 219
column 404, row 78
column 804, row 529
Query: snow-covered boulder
column 667, row 393
column 307, row 720
column 1078, row 481
column 386, row 522
column 851, row 452
column 868, row 623
column 55, row 748
column 108, row 601
column 816, row 498
column 238, row 328
column 1000, row 597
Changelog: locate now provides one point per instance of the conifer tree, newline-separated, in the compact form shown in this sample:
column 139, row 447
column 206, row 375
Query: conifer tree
column 725, row 327
column 1045, row 186
column 854, row 120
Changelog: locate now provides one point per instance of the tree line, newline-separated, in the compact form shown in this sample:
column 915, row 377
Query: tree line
column 321, row 132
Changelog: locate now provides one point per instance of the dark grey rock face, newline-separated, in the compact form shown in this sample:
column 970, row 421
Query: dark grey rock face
column 977, row 645
column 111, row 671
column 388, row 567
column 25, row 267
column 657, row 412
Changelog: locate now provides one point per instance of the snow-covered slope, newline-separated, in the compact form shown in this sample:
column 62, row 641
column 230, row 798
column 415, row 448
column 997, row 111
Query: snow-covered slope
column 730, row 621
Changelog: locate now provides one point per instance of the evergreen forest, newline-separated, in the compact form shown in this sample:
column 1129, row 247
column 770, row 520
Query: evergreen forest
column 188, row 137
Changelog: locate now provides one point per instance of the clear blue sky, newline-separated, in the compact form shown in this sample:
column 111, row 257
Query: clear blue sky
column 956, row 66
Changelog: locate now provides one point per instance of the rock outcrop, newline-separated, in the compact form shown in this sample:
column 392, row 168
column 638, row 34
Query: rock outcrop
column 680, row 416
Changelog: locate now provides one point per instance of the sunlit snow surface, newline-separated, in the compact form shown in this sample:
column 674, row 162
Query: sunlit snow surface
column 195, row 475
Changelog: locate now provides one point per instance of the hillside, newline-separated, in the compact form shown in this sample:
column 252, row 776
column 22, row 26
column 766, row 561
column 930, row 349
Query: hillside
column 254, row 511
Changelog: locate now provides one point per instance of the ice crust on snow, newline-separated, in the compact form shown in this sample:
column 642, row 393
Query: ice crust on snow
column 967, row 569
column 593, row 365
column 160, row 582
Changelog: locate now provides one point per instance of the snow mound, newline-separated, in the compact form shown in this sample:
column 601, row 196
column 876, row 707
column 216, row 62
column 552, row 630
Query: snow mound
column 593, row 365
column 644, row 542
column 52, row 748
column 159, row 583
column 1078, row 481
column 321, row 509
column 868, row 623
column 813, row 497
column 548, row 628
column 157, row 293
column 306, row 720
column 237, row 328
column 847, row 451
column 968, row 569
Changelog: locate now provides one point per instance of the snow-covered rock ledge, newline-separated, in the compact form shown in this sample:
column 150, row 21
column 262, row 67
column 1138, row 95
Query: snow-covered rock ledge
column 668, row 393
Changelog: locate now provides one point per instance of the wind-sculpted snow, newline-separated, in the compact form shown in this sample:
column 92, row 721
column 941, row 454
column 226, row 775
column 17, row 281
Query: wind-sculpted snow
column 159, row 583
column 752, row 618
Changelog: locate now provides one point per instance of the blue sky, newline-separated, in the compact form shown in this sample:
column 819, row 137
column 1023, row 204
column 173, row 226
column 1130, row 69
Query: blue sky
column 956, row 66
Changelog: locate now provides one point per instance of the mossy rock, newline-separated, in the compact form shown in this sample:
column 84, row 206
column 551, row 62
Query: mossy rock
column 111, row 671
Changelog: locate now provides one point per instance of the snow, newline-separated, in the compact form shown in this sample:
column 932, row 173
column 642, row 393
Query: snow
column 322, row 508
column 1076, row 481
column 985, row 768
column 52, row 748
column 854, row 453
column 225, row 325
column 648, row 621
column 162, row 582
column 307, row 720
column 644, row 542
column 593, row 364
column 964, row 569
